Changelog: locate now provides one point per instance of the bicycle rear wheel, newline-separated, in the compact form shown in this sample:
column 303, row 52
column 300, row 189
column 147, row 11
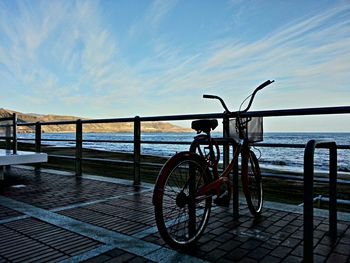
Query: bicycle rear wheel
column 252, row 182
column 182, row 215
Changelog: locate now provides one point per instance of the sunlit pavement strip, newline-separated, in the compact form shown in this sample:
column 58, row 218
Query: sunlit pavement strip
column 111, row 239
column 299, row 210
column 58, row 209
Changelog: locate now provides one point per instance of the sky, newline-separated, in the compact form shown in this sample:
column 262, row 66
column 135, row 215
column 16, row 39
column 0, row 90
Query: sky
column 104, row 59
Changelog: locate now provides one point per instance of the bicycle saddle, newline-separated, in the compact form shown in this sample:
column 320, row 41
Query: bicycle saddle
column 204, row 125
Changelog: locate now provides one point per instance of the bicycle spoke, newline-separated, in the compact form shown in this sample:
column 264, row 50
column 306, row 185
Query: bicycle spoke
column 177, row 225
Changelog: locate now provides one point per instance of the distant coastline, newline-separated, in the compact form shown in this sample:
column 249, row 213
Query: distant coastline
column 126, row 127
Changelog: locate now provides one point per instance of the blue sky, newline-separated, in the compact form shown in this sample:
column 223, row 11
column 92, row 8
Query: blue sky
column 123, row 58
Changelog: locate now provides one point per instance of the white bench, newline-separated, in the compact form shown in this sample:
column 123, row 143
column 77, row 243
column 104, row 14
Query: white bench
column 8, row 133
column 7, row 157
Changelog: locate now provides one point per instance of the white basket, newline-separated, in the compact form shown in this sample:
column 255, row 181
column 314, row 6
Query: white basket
column 253, row 129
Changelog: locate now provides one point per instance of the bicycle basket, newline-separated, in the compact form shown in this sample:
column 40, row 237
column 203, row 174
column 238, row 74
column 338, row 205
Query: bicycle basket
column 252, row 129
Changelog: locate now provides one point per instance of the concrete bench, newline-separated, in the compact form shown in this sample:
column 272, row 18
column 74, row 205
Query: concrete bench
column 10, row 155
column 7, row 157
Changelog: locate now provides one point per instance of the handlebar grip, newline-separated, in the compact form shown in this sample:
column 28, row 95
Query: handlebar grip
column 206, row 96
column 266, row 83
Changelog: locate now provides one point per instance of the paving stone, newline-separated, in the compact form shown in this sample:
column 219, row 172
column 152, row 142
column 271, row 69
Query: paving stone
column 98, row 259
column 258, row 253
column 237, row 254
column 139, row 260
column 247, row 260
column 270, row 259
column 271, row 243
column 230, row 245
column 216, row 254
column 218, row 231
column 292, row 259
column 224, row 260
column 291, row 242
column 281, row 252
column 342, row 249
column 223, row 238
column 126, row 257
column 322, row 250
column 319, row 258
column 209, row 246
column 251, row 244
column 337, row 258
column 281, row 223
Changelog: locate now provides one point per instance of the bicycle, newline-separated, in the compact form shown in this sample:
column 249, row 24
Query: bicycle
column 189, row 180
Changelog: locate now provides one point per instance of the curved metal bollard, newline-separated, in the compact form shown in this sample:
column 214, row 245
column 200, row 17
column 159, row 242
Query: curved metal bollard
column 308, row 193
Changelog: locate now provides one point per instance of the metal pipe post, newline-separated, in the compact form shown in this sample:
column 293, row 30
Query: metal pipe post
column 137, row 151
column 308, row 201
column 333, row 191
column 226, row 149
column 226, row 160
column 8, row 137
column 78, row 147
column 14, row 131
column 37, row 142
column 235, row 191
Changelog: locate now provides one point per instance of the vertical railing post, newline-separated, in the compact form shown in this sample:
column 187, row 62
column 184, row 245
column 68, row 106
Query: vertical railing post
column 308, row 201
column 235, row 191
column 137, row 151
column 78, row 147
column 8, row 137
column 226, row 149
column 226, row 161
column 14, row 131
column 333, row 191
column 37, row 142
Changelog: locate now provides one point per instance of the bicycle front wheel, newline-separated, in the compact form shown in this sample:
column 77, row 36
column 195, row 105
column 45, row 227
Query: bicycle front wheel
column 182, row 215
column 252, row 182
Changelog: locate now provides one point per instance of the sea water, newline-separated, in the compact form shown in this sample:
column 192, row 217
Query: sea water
column 289, row 159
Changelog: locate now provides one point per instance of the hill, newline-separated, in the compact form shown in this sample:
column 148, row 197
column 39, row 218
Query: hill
column 103, row 127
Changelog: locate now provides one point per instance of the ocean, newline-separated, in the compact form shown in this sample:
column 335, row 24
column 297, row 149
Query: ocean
column 284, row 159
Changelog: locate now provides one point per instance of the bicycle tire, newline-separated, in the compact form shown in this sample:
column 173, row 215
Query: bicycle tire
column 252, row 182
column 181, row 216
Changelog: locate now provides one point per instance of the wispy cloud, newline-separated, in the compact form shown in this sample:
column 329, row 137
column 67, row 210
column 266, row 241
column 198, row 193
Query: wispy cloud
column 153, row 17
column 64, row 53
column 309, row 53
column 57, row 46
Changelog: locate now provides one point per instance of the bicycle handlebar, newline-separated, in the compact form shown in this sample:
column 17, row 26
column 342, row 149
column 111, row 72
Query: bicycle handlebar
column 260, row 87
column 218, row 98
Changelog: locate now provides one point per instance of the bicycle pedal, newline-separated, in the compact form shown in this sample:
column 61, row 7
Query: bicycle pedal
column 223, row 199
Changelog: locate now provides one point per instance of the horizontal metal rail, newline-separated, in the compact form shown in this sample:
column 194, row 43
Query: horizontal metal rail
column 266, row 145
column 6, row 118
column 267, row 113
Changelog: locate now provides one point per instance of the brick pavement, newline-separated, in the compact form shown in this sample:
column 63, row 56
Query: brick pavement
column 58, row 218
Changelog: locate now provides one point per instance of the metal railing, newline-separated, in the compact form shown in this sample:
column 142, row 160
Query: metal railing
column 139, row 120
column 10, row 132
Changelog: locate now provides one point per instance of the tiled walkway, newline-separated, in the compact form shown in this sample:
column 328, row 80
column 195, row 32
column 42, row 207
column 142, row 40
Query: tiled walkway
column 56, row 217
